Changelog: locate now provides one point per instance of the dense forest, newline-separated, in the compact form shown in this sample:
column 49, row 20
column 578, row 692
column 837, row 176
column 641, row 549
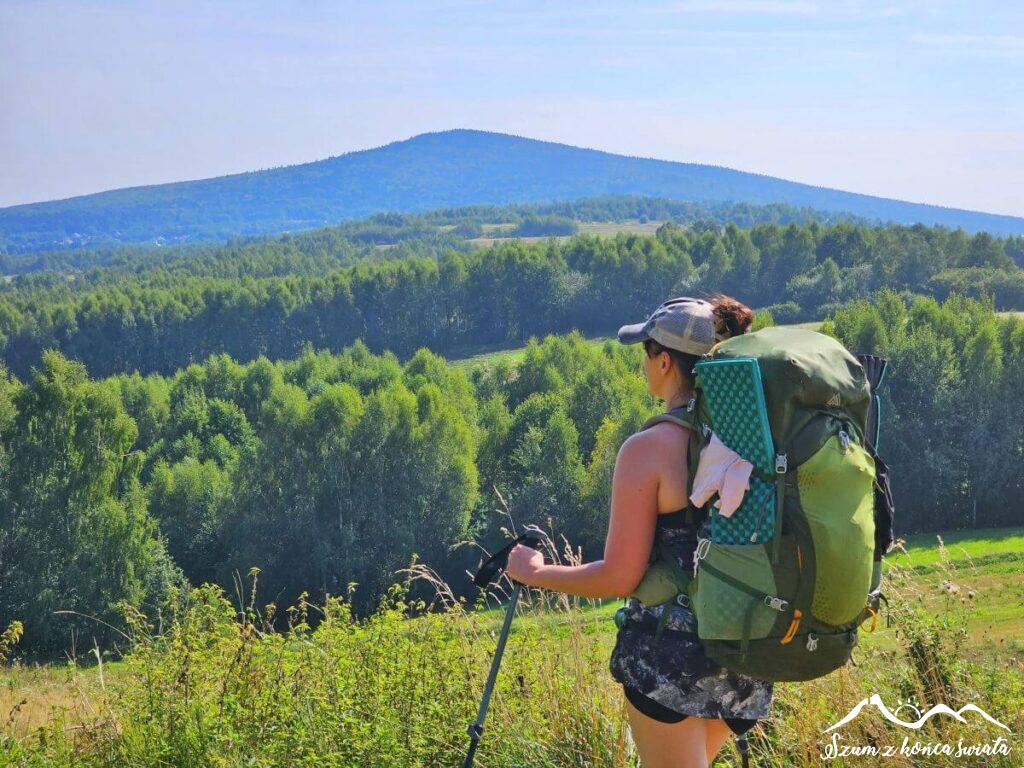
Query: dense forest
column 164, row 317
column 426, row 172
column 329, row 470
column 184, row 414
column 397, row 235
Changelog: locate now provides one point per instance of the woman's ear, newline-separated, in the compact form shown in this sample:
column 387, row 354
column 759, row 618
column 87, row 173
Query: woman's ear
column 664, row 362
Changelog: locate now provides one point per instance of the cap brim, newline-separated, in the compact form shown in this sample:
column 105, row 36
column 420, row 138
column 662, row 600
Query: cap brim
column 633, row 334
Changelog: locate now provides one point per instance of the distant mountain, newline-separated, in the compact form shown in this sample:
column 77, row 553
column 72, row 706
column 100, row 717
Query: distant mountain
column 433, row 170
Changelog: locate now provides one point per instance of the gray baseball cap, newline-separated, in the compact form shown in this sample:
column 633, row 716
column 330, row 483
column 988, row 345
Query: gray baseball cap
column 684, row 324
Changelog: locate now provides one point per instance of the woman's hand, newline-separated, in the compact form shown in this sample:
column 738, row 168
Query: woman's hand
column 524, row 564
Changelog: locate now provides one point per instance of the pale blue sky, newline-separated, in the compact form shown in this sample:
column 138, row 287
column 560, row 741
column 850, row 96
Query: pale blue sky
column 917, row 100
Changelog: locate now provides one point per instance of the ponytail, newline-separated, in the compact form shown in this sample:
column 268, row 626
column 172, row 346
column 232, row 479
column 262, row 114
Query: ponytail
column 732, row 317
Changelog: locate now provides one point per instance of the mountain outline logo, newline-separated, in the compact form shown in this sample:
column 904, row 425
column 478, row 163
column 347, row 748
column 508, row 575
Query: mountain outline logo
column 939, row 709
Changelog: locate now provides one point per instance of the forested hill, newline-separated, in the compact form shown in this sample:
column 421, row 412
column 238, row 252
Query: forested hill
column 452, row 168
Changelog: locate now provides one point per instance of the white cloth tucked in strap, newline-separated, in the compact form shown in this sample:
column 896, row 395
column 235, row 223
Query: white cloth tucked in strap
column 723, row 471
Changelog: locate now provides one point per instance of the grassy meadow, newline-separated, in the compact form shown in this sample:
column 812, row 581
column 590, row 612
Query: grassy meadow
column 221, row 687
column 498, row 233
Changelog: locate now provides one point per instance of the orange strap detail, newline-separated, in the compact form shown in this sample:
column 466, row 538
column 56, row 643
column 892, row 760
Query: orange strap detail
column 797, row 614
column 874, row 618
column 791, row 632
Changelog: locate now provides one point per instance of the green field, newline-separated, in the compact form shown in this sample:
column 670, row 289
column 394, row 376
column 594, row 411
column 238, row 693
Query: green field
column 987, row 603
column 32, row 695
column 487, row 356
column 961, row 547
column 498, row 233
column 986, row 569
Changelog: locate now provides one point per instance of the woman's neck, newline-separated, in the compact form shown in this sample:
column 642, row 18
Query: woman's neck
column 677, row 400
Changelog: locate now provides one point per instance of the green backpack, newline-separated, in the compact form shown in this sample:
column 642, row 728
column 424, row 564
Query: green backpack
column 781, row 587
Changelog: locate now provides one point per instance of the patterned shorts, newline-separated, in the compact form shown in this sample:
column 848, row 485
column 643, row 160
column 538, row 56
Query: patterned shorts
column 674, row 671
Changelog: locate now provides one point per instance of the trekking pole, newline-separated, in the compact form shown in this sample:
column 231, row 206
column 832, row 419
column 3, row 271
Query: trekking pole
column 487, row 572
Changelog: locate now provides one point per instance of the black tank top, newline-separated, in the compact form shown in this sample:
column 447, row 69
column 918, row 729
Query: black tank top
column 675, row 536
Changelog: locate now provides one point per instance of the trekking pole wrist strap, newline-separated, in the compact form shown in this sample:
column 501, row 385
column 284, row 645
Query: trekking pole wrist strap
column 499, row 560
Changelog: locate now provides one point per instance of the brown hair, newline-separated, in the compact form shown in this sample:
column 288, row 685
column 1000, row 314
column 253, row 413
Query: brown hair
column 732, row 318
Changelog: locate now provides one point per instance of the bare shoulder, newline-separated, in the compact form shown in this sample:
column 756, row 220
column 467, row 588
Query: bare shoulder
column 658, row 443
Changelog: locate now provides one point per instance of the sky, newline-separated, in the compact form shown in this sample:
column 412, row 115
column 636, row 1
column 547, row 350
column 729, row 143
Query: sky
column 922, row 101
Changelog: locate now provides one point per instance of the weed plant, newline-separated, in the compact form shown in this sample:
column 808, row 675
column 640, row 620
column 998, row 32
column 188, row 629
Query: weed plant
column 220, row 682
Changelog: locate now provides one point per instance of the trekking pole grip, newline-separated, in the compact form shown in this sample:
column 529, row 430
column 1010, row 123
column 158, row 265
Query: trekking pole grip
column 529, row 539
column 498, row 562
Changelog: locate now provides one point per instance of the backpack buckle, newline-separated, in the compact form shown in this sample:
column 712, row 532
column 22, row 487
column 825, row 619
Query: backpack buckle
column 781, row 464
column 776, row 603
column 844, row 440
column 812, row 642
column 691, row 405
column 703, row 545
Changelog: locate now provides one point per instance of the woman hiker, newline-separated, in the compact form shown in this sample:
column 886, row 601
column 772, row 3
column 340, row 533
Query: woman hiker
column 682, row 706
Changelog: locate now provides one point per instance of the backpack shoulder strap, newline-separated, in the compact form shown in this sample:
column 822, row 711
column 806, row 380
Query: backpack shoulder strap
column 684, row 416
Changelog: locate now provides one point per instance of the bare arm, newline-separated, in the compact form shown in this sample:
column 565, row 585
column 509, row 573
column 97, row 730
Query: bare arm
column 634, row 513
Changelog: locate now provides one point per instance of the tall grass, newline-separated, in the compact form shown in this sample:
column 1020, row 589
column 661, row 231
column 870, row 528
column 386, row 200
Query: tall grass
column 222, row 683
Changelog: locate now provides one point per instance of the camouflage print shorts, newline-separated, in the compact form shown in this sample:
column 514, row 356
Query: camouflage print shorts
column 674, row 671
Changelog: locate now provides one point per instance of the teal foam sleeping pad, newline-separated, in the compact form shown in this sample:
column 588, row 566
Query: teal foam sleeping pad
column 735, row 401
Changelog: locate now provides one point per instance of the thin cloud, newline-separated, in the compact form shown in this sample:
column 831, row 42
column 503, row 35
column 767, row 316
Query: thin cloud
column 848, row 10
column 979, row 46
column 760, row 7
column 972, row 42
column 856, row 10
